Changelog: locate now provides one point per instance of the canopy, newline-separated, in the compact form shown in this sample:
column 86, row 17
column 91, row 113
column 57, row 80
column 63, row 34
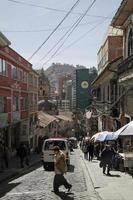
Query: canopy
column 45, row 119
column 127, row 130
column 64, row 118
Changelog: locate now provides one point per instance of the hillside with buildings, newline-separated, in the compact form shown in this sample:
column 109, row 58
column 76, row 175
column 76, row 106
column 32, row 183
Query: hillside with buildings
column 57, row 70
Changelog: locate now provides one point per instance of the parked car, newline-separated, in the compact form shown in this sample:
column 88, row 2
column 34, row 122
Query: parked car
column 48, row 153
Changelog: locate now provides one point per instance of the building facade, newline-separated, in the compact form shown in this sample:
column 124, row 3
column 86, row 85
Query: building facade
column 33, row 107
column 44, row 86
column 14, row 117
column 124, row 20
column 106, row 90
column 81, row 89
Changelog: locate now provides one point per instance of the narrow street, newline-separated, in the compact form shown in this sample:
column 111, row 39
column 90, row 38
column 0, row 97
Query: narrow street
column 37, row 184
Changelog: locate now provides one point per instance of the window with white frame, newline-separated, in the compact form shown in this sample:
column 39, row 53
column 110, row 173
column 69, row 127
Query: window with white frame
column 130, row 42
column 25, row 77
column 14, row 72
column 15, row 103
column 3, row 67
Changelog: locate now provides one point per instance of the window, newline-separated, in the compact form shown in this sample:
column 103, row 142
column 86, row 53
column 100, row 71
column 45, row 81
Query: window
column 30, row 79
column 130, row 43
column 24, row 103
column 25, row 77
column 19, row 74
column 3, row 67
column 49, row 145
column 15, row 103
column 14, row 72
column 2, row 104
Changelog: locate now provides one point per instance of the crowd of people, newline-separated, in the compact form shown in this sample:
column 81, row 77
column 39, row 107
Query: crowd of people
column 107, row 154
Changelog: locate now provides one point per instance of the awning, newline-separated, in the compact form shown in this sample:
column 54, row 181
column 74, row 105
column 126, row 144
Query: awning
column 65, row 118
column 45, row 119
column 127, row 130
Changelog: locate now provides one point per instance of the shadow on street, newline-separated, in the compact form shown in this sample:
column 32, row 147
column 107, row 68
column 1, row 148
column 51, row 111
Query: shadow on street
column 7, row 186
column 65, row 196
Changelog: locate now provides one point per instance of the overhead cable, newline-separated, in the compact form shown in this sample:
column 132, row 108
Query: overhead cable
column 74, row 26
column 75, row 4
column 45, row 30
column 54, row 9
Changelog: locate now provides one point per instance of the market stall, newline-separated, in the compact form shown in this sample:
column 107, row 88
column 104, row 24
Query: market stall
column 127, row 138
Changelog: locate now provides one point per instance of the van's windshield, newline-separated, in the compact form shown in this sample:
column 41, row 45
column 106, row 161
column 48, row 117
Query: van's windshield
column 49, row 145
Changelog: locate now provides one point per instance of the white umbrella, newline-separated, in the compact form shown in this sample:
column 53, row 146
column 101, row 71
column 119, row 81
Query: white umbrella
column 110, row 136
column 99, row 136
column 127, row 130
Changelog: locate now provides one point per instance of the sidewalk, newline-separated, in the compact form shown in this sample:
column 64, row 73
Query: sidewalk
column 14, row 167
column 119, row 186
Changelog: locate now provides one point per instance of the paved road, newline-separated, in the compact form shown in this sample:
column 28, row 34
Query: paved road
column 37, row 184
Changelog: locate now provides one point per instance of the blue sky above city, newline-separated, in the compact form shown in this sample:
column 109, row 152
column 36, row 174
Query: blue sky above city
column 28, row 26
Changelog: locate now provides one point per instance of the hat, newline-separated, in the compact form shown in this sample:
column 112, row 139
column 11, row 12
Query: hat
column 56, row 148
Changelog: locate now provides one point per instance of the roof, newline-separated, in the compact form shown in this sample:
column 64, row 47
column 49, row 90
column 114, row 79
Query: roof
column 65, row 118
column 123, row 12
column 3, row 40
column 45, row 119
column 108, row 68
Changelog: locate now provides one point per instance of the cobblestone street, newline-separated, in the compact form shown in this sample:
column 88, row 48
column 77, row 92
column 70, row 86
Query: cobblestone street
column 37, row 185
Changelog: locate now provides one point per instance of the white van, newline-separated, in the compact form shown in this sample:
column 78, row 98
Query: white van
column 48, row 153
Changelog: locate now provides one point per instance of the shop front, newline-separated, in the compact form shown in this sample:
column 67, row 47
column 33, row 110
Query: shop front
column 4, row 128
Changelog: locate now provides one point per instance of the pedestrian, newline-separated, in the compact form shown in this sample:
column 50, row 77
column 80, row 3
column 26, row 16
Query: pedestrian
column 1, row 157
column 91, row 151
column 97, row 151
column 5, row 155
column 22, row 153
column 60, row 168
column 106, row 159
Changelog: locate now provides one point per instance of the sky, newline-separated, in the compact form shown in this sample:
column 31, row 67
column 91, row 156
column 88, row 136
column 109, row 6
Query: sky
column 28, row 26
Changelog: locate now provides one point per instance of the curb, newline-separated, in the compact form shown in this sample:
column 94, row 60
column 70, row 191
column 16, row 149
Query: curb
column 92, row 178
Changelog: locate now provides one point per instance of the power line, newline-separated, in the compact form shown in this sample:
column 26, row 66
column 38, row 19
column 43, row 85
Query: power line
column 54, row 9
column 77, row 40
column 45, row 30
column 73, row 28
column 53, row 47
column 81, row 37
column 55, row 29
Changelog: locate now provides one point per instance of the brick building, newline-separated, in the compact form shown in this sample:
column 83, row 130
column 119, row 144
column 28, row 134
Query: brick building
column 14, row 117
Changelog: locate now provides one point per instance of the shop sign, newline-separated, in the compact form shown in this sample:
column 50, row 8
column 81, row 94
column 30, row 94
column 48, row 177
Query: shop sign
column 3, row 120
column 16, row 117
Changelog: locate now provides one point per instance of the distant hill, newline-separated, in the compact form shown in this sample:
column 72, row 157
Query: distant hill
column 56, row 70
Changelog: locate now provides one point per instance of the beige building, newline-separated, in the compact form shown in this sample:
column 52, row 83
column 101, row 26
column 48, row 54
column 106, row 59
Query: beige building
column 123, row 19
column 106, row 89
column 44, row 86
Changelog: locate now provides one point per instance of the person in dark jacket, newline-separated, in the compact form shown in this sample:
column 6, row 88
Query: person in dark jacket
column 106, row 158
column 91, row 151
column 22, row 153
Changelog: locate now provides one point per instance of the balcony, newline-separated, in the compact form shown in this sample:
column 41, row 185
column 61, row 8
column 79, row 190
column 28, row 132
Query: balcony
column 126, row 65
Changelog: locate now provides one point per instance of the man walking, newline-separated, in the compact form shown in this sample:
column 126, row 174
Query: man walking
column 60, row 169
column 106, row 159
